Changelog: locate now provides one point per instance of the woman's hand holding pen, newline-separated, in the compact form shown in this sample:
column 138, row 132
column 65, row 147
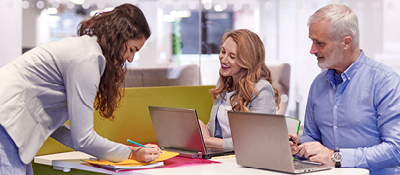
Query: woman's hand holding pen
column 145, row 154
column 294, row 142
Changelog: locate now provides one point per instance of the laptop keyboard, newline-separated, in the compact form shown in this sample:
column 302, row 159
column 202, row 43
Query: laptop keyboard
column 181, row 151
column 304, row 165
column 213, row 150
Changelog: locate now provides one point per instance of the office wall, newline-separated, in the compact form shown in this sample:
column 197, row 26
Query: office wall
column 10, row 30
column 35, row 26
column 281, row 24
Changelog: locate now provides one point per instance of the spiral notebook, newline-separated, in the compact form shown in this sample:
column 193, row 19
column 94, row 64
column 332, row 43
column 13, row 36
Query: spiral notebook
column 132, row 164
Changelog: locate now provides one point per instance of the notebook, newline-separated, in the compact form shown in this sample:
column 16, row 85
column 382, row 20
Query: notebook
column 261, row 141
column 178, row 130
column 130, row 164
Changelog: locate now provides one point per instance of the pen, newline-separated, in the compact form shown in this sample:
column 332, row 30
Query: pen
column 138, row 144
column 290, row 139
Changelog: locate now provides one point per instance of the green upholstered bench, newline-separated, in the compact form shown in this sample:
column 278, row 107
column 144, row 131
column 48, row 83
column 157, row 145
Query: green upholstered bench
column 132, row 119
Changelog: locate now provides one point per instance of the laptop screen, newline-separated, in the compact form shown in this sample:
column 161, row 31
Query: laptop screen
column 177, row 128
column 261, row 140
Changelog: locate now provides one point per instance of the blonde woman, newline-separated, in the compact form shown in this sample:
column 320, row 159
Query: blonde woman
column 244, row 85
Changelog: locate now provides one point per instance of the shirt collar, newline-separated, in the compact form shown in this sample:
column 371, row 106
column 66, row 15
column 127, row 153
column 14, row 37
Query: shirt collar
column 349, row 72
column 353, row 68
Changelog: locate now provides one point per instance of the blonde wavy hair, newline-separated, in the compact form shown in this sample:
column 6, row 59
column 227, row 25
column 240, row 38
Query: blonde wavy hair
column 250, row 55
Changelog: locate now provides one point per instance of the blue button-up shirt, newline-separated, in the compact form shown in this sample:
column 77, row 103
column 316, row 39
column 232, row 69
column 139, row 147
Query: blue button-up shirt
column 360, row 115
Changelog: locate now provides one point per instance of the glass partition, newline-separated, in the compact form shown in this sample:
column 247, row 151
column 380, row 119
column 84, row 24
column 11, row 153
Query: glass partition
column 189, row 32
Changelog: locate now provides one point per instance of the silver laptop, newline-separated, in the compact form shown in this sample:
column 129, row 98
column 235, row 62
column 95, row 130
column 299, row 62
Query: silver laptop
column 178, row 130
column 261, row 141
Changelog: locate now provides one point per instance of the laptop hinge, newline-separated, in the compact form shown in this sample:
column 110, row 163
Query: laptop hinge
column 186, row 153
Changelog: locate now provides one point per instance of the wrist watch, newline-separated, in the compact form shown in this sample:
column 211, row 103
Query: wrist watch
column 337, row 158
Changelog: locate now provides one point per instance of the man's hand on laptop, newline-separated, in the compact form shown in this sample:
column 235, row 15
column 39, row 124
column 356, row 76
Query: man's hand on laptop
column 294, row 141
column 316, row 152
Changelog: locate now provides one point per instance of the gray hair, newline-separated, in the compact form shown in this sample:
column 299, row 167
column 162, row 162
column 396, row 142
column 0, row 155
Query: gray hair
column 344, row 22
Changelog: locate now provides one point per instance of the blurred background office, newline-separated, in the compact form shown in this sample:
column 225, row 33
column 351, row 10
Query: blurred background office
column 189, row 32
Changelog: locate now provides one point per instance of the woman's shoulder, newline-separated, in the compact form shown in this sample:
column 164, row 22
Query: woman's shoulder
column 82, row 53
column 85, row 40
column 263, row 84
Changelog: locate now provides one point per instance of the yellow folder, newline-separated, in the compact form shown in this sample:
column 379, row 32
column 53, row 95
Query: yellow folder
column 132, row 163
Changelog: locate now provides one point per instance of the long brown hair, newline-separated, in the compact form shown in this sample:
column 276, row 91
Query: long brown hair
column 113, row 29
column 250, row 55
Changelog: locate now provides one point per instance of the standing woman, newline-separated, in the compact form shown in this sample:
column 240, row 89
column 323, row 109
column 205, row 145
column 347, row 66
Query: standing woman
column 60, row 81
column 244, row 85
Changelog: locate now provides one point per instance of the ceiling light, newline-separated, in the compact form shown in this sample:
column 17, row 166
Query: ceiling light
column 52, row 11
column 218, row 8
column 79, row 2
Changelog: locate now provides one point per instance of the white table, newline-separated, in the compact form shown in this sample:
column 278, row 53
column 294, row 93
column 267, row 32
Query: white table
column 228, row 166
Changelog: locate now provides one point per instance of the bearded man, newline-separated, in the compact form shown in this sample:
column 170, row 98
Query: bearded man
column 353, row 110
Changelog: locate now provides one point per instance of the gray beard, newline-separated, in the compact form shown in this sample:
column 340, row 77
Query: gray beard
column 335, row 57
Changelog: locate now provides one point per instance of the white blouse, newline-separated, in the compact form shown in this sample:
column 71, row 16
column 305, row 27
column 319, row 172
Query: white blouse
column 222, row 115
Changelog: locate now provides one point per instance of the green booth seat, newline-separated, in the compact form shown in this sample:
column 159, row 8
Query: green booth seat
column 132, row 119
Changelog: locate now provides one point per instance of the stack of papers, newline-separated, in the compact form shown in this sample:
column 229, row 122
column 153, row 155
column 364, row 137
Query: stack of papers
column 133, row 164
